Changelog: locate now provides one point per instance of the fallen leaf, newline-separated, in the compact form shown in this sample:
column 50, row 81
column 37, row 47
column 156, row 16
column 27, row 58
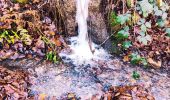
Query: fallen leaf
column 51, row 32
column 57, row 42
column 154, row 63
column 71, row 96
column 126, row 58
column 42, row 96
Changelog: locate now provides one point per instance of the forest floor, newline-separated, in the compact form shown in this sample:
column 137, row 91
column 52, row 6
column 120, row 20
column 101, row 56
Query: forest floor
column 36, row 79
column 28, row 33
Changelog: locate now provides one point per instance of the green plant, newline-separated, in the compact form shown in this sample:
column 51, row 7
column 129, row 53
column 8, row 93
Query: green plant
column 123, row 34
column 135, row 75
column 168, row 31
column 9, row 37
column 144, row 7
column 137, row 26
column 143, row 36
column 119, row 19
column 51, row 56
column 126, row 44
column 137, row 59
column 122, row 19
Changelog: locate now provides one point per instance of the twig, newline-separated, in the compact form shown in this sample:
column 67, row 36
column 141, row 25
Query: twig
column 106, row 39
column 123, row 6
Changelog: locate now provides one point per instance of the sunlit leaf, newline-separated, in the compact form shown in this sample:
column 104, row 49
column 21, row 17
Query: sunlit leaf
column 55, row 59
column 159, row 3
column 130, row 3
column 136, row 17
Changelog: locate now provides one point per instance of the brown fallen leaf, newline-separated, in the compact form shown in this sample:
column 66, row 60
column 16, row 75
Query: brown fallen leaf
column 154, row 64
column 126, row 58
column 71, row 96
column 125, row 98
column 150, row 97
column 57, row 42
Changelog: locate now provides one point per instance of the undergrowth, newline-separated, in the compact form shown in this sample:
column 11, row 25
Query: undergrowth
column 138, row 28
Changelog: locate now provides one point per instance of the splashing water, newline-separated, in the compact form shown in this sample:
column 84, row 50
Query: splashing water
column 80, row 45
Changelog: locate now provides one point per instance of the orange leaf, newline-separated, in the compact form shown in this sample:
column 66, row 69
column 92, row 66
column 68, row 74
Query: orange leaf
column 58, row 42
column 51, row 32
column 42, row 96
column 126, row 58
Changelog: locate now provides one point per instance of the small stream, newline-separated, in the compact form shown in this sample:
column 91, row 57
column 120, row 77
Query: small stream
column 86, row 81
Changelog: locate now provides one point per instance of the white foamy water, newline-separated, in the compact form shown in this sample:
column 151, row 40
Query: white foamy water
column 81, row 52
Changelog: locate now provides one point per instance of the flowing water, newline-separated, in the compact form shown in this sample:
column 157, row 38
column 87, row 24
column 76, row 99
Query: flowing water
column 82, row 48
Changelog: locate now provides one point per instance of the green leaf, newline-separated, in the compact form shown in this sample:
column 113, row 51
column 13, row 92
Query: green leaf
column 123, row 18
column 12, row 39
column 50, row 55
column 23, row 31
column 142, row 33
column 155, row 8
column 135, row 75
column 145, row 14
column 151, row 1
column 15, row 34
column 113, row 19
column 127, row 44
column 158, row 13
column 135, row 58
column 146, row 7
column 143, row 28
column 122, row 34
column 161, row 23
column 55, row 59
column 126, row 28
column 142, row 20
column 144, row 39
column 129, row 3
column 144, row 62
column 148, row 24
column 168, row 31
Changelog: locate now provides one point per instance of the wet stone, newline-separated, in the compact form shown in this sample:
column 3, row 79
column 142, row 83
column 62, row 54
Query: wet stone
column 63, row 57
